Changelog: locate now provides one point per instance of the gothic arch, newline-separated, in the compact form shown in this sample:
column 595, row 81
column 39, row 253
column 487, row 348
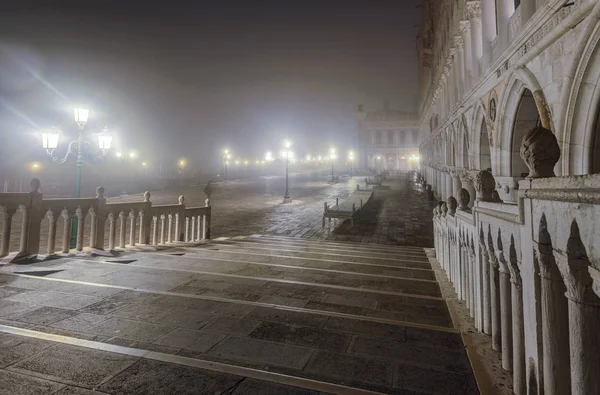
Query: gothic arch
column 580, row 104
column 522, row 106
column 482, row 159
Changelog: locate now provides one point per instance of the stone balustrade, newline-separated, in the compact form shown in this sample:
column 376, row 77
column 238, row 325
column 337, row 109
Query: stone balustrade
column 529, row 277
column 103, row 225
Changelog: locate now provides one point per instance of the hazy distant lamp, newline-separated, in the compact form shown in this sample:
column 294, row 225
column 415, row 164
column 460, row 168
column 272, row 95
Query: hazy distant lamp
column 351, row 160
column 119, row 154
column 286, row 197
column 131, row 155
column 50, row 140
column 104, row 141
column 332, row 157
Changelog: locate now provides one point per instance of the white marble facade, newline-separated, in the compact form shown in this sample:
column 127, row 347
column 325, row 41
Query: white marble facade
column 509, row 132
column 388, row 140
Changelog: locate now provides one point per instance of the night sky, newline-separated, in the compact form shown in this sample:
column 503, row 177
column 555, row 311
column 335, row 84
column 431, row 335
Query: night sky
column 187, row 79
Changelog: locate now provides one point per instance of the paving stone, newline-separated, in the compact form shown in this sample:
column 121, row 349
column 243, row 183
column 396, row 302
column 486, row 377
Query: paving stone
column 19, row 384
column 234, row 326
column 190, row 339
column 148, row 377
column 54, row 299
column 44, row 315
column 80, row 322
column 352, row 367
column 264, row 352
column 352, row 301
column 434, row 381
column 450, row 360
column 103, row 307
column 76, row 365
column 186, row 318
column 13, row 348
column 234, row 310
column 7, row 291
column 301, row 336
column 288, row 317
column 70, row 390
column 10, row 309
column 135, row 330
column 142, row 312
column 367, row 328
column 434, row 338
column 257, row 387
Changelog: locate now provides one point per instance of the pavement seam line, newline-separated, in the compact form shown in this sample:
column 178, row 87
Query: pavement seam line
column 268, row 279
column 251, row 303
column 299, row 241
column 198, row 258
column 258, row 245
column 192, row 362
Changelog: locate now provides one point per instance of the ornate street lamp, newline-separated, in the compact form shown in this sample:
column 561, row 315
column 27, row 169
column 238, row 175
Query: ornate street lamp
column 50, row 138
column 286, row 197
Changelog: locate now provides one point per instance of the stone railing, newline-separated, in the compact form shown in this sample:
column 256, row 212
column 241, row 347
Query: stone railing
column 99, row 225
column 530, row 274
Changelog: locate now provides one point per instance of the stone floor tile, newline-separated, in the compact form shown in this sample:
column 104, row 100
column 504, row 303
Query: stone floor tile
column 366, row 328
column 142, row 312
column 434, row 381
column 257, row 387
column 301, row 336
column 353, row 367
column 135, row 330
column 81, row 366
column 13, row 348
column 233, row 326
column 19, row 384
column 190, row 339
column 350, row 301
column 264, row 352
column 44, row 315
column 148, row 377
column 54, row 299
column 80, row 322
column 288, row 317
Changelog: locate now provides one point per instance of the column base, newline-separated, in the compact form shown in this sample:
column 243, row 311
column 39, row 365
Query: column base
column 287, row 199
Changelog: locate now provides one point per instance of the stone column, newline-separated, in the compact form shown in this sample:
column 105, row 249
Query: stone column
column 474, row 16
column 465, row 31
column 555, row 324
column 494, row 299
column 505, row 9
column 460, row 66
column 505, row 313
column 485, row 289
column 518, row 334
column 584, row 319
column 448, row 177
column 488, row 16
column 456, row 183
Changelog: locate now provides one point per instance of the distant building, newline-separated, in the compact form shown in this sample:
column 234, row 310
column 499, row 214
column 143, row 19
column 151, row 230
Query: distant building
column 388, row 139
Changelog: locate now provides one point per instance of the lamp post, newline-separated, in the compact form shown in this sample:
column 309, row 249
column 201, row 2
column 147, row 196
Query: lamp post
column 332, row 157
column 225, row 157
column 286, row 197
column 76, row 147
column 351, row 159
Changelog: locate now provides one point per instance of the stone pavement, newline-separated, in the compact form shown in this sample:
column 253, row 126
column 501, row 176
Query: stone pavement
column 243, row 315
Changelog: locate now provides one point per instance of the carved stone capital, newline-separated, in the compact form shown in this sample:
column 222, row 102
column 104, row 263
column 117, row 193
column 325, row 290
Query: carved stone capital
column 458, row 42
column 464, row 27
column 578, row 280
column 452, row 204
column 595, row 274
column 473, row 10
column 540, row 151
column 485, row 185
column 493, row 259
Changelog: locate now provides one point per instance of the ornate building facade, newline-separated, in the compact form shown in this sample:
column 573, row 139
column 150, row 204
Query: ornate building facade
column 509, row 127
column 388, row 139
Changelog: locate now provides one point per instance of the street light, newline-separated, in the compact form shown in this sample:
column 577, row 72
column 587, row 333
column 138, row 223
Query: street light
column 332, row 157
column 50, row 139
column 351, row 159
column 286, row 197
column 225, row 157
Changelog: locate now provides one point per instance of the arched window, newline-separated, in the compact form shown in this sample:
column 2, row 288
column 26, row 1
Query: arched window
column 527, row 117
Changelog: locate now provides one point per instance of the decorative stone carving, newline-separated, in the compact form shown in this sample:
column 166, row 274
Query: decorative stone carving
column 444, row 209
column 452, row 205
column 485, row 186
column 464, row 27
column 181, row 199
column 473, row 10
column 496, row 197
column 540, row 151
column 147, row 196
column 464, row 197
column 35, row 185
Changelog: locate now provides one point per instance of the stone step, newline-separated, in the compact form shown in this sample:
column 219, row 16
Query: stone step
column 418, row 255
column 282, row 256
column 328, row 243
column 272, row 272
column 221, row 257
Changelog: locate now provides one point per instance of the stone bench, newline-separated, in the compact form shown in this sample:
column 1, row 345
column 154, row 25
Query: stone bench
column 348, row 208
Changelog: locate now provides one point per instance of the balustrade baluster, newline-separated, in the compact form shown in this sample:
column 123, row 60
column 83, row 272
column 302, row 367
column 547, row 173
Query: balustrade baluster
column 162, row 228
column 6, row 218
column 51, row 232
column 122, row 229
column 68, row 219
column 93, row 228
column 142, row 230
column 170, row 229
column 154, row 229
column 186, row 236
column 24, row 229
column 132, row 227
column 80, row 228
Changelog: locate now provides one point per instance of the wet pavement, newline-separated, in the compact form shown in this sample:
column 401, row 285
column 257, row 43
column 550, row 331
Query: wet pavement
column 256, row 314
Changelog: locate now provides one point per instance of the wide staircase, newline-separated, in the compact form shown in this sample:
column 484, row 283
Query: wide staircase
column 285, row 315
